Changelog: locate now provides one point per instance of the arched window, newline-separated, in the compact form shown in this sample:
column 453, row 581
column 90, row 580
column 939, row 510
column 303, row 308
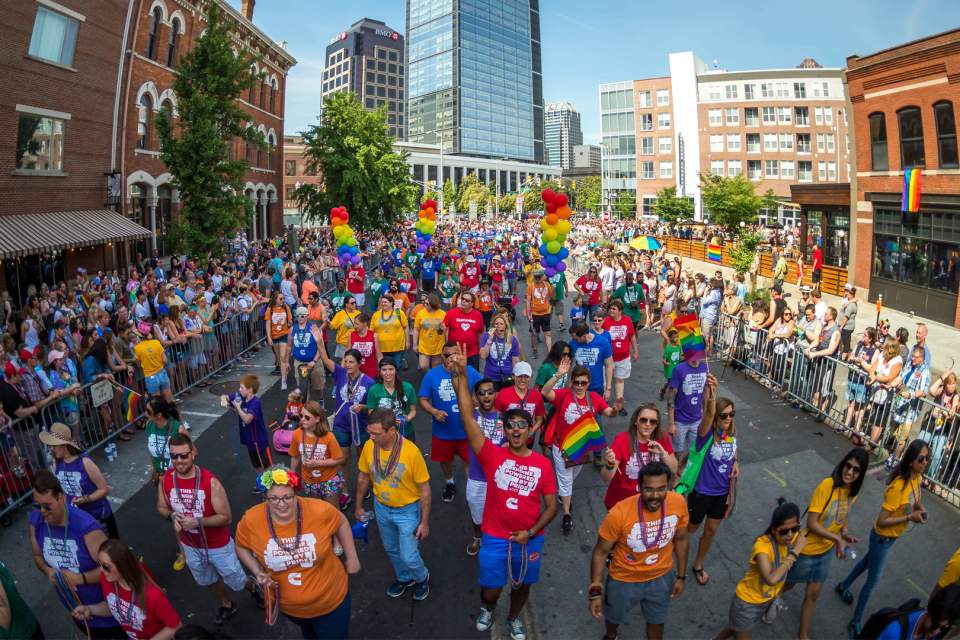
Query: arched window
column 144, row 116
column 946, row 134
column 259, row 156
column 878, row 142
column 263, row 94
column 273, row 101
column 253, row 86
column 248, row 153
column 911, row 138
column 172, row 42
column 270, row 143
column 167, row 106
column 155, row 19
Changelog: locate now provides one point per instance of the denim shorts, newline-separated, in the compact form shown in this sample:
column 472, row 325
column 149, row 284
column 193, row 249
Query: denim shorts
column 209, row 566
column 812, row 568
column 157, row 382
column 743, row 615
column 856, row 391
column 653, row 596
column 493, row 561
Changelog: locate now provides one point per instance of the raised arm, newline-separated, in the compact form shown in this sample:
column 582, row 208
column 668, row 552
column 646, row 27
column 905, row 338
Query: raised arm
column 324, row 357
column 461, row 386
column 709, row 405
column 547, row 391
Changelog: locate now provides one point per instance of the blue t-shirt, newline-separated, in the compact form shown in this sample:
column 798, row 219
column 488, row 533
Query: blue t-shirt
column 428, row 269
column 277, row 265
column 688, row 383
column 892, row 630
column 437, row 386
column 578, row 314
column 592, row 356
column 254, row 433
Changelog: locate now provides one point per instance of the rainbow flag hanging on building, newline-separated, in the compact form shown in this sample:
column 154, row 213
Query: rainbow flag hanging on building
column 582, row 439
column 714, row 253
column 911, row 191
column 691, row 340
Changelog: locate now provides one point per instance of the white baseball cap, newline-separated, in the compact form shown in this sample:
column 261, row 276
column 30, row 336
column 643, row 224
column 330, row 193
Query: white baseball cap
column 522, row 369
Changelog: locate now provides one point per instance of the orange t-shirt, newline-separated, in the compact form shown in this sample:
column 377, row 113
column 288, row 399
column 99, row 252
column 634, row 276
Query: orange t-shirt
column 540, row 297
column 280, row 321
column 313, row 581
column 637, row 556
column 308, row 287
column 315, row 448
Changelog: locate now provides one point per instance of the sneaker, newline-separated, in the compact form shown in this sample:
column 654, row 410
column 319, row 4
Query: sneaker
column 775, row 607
column 485, row 619
column 398, row 588
column 283, row 384
column 345, row 502
column 337, row 548
column 473, row 549
column 567, row 525
column 449, row 492
column 517, row 632
column 853, row 630
column 180, row 562
column 224, row 614
column 421, row 590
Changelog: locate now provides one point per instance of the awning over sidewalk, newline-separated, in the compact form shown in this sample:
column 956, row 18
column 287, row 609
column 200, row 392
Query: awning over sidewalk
column 25, row 234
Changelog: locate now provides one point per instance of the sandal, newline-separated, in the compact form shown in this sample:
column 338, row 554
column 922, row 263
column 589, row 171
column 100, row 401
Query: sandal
column 699, row 575
column 844, row 594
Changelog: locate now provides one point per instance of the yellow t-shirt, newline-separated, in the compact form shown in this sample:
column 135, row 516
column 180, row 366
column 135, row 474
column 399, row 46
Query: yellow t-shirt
column 401, row 487
column 430, row 325
column 833, row 506
column 342, row 323
column 898, row 499
column 951, row 572
column 149, row 353
column 752, row 588
column 391, row 330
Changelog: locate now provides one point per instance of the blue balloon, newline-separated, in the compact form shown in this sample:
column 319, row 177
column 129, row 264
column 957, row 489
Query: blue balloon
column 563, row 253
column 552, row 260
column 543, row 248
column 354, row 250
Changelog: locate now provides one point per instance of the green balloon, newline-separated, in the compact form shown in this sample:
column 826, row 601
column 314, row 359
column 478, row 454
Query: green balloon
column 553, row 247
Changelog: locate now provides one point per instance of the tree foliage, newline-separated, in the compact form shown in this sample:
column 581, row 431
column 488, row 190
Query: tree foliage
column 626, row 205
column 353, row 151
column 471, row 189
column 208, row 81
column 449, row 193
column 672, row 208
column 743, row 252
column 586, row 197
column 730, row 201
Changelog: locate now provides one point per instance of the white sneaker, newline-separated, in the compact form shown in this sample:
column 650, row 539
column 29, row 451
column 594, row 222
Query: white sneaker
column 485, row 619
column 283, row 384
column 517, row 632
column 337, row 548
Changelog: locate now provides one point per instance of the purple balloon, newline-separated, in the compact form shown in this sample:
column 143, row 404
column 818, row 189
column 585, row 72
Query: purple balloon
column 561, row 267
column 355, row 259
column 544, row 263
column 550, row 271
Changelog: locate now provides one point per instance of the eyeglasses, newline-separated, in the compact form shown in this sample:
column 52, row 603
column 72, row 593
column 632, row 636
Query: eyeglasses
column 281, row 499
column 487, row 392
column 580, row 383
column 180, row 456
column 518, row 424
column 786, row 531
column 922, row 458
column 598, row 319
column 728, row 414
column 567, row 354
column 642, row 420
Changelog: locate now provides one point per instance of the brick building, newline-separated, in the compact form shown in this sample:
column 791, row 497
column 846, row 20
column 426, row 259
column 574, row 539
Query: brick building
column 904, row 113
column 294, row 174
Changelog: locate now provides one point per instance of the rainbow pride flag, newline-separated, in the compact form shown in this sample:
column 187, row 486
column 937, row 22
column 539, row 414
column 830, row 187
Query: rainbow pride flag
column 131, row 401
column 714, row 253
column 911, row 191
column 691, row 340
column 582, row 439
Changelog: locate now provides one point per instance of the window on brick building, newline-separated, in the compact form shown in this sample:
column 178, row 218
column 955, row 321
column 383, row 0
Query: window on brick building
column 289, row 167
column 54, row 36
column 273, row 98
column 172, row 42
column 271, row 144
column 144, row 121
column 946, row 134
column 878, row 142
column 264, row 90
column 252, row 94
column 154, row 34
column 39, row 143
column 911, row 137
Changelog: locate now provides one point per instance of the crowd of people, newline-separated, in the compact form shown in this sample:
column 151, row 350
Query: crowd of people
column 347, row 436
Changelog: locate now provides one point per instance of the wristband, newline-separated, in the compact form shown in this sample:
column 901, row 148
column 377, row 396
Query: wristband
column 595, row 591
column 683, row 577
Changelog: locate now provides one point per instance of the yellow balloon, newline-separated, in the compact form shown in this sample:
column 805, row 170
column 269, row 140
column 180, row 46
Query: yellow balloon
column 549, row 235
column 544, row 224
column 563, row 227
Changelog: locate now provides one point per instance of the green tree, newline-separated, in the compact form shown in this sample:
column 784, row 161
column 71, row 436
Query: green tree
column 587, row 194
column 208, row 81
column 472, row 189
column 449, row 193
column 626, row 205
column 508, row 203
column 730, row 201
column 672, row 208
column 353, row 152
column 743, row 252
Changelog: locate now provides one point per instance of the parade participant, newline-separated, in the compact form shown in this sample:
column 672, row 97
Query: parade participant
column 496, row 271
column 279, row 320
column 80, row 478
column 437, row 399
column 590, row 287
column 338, row 297
column 390, row 327
column 773, row 555
column 133, row 599
column 194, row 500
column 428, row 333
column 285, row 543
column 519, row 395
column 623, row 339
column 304, row 338
column 408, row 281
column 901, row 506
column 499, row 351
column 343, row 323
column 364, row 340
column 491, row 422
column 316, row 456
column 250, row 422
column 16, row 618
column 428, row 271
column 579, row 310
column 826, row 529
column 150, row 356
column 630, row 293
column 378, row 286
column 464, row 325
column 559, row 283
column 448, row 286
column 594, row 352
column 684, row 404
column 163, row 421
column 356, row 276
column 486, row 300
column 539, row 299
column 470, row 274
column 571, row 404
column 641, row 569
column 397, row 395
column 65, row 540
column 401, row 500
column 518, row 480
column 642, row 443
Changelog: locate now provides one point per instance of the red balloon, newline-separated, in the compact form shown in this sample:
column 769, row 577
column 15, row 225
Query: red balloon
column 548, row 195
column 561, row 200
column 335, row 211
column 344, row 215
column 550, row 207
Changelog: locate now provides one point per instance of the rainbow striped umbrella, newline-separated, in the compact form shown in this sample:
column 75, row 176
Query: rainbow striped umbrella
column 645, row 243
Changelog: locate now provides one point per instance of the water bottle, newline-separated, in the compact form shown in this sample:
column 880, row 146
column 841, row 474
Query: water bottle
column 111, row 451
column 850, row 553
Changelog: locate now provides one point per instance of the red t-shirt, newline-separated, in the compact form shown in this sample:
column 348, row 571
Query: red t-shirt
column 624, row 481
column 590, row 288
column 355, row 278
column 139, row 624
column 364, row 344
column 514, row 489
column 469, row 275
column 569, row 409
column 620, row 333
column 465, row 328
column 182, row 499
column 508, row 398
column 496, row 271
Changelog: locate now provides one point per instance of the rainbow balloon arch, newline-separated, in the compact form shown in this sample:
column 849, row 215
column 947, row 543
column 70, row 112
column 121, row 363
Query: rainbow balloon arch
column 347, row 250
column 556, row 227
column 425, row 225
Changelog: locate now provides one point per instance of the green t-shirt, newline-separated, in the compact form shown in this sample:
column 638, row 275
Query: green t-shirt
column 631, row 296
column 448, row 287
column 337, row 300
column 378, row 287
column 413, row 261
column 158, row 443
column 378, row 398
column 23, row 624
column 544, row 373
column 672, row 355
column 559, row 282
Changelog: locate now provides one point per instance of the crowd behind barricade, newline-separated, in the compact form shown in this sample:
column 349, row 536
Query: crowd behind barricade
column 523, row 436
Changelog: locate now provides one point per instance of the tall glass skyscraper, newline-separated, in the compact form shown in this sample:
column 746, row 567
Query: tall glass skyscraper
column 474, row 77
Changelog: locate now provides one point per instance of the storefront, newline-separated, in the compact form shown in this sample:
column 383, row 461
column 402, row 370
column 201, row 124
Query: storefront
column 825, row 221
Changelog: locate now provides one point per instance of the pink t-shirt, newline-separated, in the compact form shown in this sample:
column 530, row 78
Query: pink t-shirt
column 515, row 486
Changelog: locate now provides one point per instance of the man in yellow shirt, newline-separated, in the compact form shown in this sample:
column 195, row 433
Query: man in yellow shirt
column 401, row 500
column 390, row 326
column 428, row 332
column 150, row 356
column 342, row 323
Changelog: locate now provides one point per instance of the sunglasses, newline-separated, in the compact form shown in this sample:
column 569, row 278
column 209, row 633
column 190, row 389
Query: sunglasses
column 788, row 530
column 518, row 424
column 851, row 467
column 487, row 392
column 580, row 383
column 728, row 414
column 922, row 458
column 642, row 420
column 180, row 456
column 105, row 566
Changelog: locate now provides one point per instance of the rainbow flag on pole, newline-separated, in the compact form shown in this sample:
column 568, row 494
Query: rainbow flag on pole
column 911, row 191
column 691, row 340
column 131, row 401
column 582, row 439
column 714, row 253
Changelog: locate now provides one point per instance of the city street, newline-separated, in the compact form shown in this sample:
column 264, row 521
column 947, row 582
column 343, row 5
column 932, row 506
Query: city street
column 784, row 453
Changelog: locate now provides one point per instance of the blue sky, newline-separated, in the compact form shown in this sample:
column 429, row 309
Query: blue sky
column 589, row 42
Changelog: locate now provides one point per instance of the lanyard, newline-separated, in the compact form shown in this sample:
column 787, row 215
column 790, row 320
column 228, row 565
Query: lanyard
column 643, row 460
column 648, row 544
column 66, row 530
column 392, row 460
column 296, row 539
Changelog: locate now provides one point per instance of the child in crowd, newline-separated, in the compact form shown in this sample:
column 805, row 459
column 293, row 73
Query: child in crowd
column 253, row 429
column 672, row 354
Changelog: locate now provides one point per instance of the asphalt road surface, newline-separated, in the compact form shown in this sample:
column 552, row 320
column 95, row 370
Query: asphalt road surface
column 783, row 453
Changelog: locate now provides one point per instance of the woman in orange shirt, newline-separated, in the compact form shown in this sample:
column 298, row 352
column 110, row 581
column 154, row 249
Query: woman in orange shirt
column 314, row 448
column 285, row 542
column 279, row 320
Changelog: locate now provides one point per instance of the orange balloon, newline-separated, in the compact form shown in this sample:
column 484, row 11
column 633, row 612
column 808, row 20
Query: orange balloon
column 551, row 219
column 430, row 215
column 431, row 210
column 335, row 222
column 563, row 213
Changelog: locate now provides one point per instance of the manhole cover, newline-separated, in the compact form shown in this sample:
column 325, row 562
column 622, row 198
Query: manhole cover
column 224, row 387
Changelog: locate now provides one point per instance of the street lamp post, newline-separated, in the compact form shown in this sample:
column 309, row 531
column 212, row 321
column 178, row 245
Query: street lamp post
column 442, row 185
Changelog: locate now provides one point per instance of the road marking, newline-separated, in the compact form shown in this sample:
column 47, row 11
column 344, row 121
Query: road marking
column 919, row 589
column 201, row 414
column 777, row 477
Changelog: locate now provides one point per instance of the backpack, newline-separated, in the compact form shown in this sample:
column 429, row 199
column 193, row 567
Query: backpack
column 880, row 620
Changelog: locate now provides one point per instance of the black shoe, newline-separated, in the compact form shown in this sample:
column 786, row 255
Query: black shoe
column 449, row 492
column 567, row 525
column 225, row 613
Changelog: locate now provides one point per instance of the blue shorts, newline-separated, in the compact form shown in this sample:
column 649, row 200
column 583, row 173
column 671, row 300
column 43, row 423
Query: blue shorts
column 345, row 440
column 157, row 382
column 812, row 568
column 493, row 561
column 856, row 392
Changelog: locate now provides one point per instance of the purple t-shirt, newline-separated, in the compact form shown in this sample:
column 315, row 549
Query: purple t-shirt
column 492, row 426
column 254, row 432
column 357, row 392
column 714, row 478
column 499, row 361
column 688, row 383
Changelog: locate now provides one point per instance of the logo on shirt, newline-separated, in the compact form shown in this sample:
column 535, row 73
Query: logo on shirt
column 635, row 540
column 70, row 481
column 516, row 478
column 277, row 558
column 588, row 356
column 124, row 610
column 61, row 553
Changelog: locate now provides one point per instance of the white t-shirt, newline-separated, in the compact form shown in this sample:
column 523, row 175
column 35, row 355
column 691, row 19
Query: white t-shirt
column 607, row 277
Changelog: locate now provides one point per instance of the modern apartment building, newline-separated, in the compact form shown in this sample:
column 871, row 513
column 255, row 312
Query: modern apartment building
column 776, row 126
column 474, row 80
column 586, row 156
column 368, row 59
column 561, row 131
